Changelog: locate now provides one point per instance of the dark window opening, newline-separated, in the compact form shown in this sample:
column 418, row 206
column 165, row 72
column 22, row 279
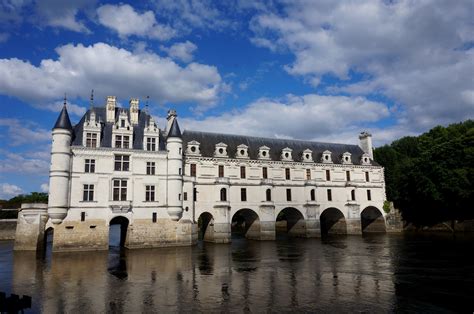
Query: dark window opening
column 288, row 194
column 329, row 195
column 223, row 195
column 243, row 195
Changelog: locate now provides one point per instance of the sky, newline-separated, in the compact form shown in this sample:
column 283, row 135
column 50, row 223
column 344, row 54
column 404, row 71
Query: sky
column 314, row 70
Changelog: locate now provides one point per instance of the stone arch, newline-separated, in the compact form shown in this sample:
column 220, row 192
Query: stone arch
column 291, row 221
column 122, row 229
column 206, row 227
column 372, row 220
column 332, row 221
column 246, row 222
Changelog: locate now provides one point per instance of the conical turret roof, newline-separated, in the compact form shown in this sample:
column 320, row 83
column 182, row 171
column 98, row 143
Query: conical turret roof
column 174, row 129
column 63, row 121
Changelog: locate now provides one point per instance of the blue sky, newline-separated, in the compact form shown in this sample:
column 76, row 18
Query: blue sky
column 317, row 70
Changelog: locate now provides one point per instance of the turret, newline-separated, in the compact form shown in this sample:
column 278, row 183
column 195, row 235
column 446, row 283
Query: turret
column 174, row 145
column 59, row 174
column 170, row 118
column 365, row 142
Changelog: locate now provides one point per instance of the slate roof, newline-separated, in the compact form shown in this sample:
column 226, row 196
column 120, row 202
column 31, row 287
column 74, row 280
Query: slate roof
column 63, row 121
column 174, row 129
column 208, row 141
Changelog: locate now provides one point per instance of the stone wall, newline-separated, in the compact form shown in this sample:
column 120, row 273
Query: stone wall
column 7, row 229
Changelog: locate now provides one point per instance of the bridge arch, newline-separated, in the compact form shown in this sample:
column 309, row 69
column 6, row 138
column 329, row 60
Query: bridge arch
column 206, row 227
column 290, row 221
column 332, row 221
column 246, row 222
column 118, row 227
column 372, row 220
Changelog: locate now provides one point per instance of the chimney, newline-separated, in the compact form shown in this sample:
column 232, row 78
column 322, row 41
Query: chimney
column 171, row 116
column 110, row 108
column 134, row 111
column 365, row 142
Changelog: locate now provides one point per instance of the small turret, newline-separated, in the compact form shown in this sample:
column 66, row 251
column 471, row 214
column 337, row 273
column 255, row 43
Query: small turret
column 365, row 143
column 174, row 145
column 171, row 117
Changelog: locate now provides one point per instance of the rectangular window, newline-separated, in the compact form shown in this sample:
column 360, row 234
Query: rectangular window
column 83, row 216
column 185, row 196
column 369, row 195
column 308, row 174
column 193, row 170
column 122, row 123
column 153, row 217
column 221, row 171
column 367, row 179
column 288, row 194
column 122, row 141
column 89, row 165
column 243, row 195
column 150, row 168
column 88, row 194
column 329, row 195
column 328, row 175
column 265, row 172
column 195, row 194
column 122, row 163
column 149, row 193
column 348, row 176
column 91, row 139
column 242, row 172
column 119, row 190
column 353, row 195
column 126, row 141
column 151, row 144
column 118, row 141
column 287, row 173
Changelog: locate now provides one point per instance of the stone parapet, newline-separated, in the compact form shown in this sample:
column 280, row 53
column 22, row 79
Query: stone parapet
column 29, row 234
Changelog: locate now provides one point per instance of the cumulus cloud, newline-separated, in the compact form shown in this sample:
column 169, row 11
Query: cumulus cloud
column 110, row 71
column 8, row 191
column 127, row 22
column 44, row 187
column 417, row 53
column 181, row 51
column 63, row 14
column 309, row 117
column 22, row 132
column 24, row 163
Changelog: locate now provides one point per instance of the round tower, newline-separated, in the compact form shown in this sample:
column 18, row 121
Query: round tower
column 59, row 173
column 174, row 144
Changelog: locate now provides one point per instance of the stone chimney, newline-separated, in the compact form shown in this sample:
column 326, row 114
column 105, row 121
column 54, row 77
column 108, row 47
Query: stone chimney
column 134, row 111
column 110, row 108
column 171, row 116
column 365, row 142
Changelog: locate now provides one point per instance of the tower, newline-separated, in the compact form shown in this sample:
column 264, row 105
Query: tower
column 59, row 173
column 365, row 143
column 174, row 144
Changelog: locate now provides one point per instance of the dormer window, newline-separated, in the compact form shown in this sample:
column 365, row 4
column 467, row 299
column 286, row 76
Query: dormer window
column 92, row 129
column 221, row 150
column 365, row 159
column 151, row 144
column 151, row 135
column 286, row 154
column 91, row 139
column 307, row 155
column 122, row 123
column 326, row 158
column 346, row 158
column 264, row 153
column 193, row 148
column 122, row 141
column 242, row 151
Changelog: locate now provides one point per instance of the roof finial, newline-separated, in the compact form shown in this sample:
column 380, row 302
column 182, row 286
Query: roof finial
column 146, row 103
column 92, row 99
column 65, row 99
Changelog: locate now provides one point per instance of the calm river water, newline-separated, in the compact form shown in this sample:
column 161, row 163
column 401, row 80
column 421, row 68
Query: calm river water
column 383, row 273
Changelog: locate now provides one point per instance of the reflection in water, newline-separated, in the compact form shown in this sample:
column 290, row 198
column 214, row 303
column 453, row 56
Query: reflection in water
column 343, row 274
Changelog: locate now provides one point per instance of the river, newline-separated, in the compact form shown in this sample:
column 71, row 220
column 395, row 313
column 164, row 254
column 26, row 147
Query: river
column 381, row 273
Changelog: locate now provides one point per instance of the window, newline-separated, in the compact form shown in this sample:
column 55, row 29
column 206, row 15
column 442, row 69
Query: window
column 353, row 195
column 265, row 172
column 89, row 165
column 122, row 163
column 195, row 194
column 269, row 195
column 122, row 123
column 243, row 195
column 287, row 173
column 348, row 176
column 149, row 193
column 308, row 174
column 223, row 195
column 221, row 171
column 369, row 195
column 313, row 195
column 153, row 217
column 88, row 194
column 242, row 172
column 193, row 170
column 367, row 178
column 91, row 139
column 122, row 141
column 288, row 194
column 151, row 143
column 185, row 196
column 328, row 175
column 179, row 171
column 329, row 195
column 120, row 190
column 150, row 168
column 83, row 216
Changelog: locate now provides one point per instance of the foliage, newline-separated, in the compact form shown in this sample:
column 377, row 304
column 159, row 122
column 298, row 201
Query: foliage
column 430, row 177
column 386, row 206
column 16, row 201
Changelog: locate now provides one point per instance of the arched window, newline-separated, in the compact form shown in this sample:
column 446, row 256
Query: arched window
column 353, row 195
column 269, row 195
column 313, row 195
column 223, row 195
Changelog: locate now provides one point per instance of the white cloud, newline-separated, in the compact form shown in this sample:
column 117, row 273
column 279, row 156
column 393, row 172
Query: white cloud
column 56, row 107
column 181, row 51
column 127, row 22
column 63, row 14
column 8, row 191
column 109, row 71
column 44, row 187
column 22, row 132
column 417, row 53
column 24, row 163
